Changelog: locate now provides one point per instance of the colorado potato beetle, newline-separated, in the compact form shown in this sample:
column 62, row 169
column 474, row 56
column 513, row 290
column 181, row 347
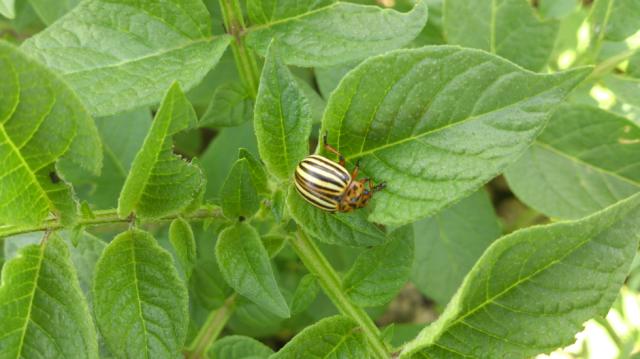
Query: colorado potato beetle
column 329, row 186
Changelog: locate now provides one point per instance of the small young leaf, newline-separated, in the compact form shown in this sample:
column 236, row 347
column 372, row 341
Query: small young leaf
column 230, row 106
column 585, row 160
column 333, row 337
column 244, row 263
column 273, row 244
column 453, row 239
column 328, row 33
column 140, row 303
column 347, row 229
column 239, row 195
column 532, row 290
column 258, row 173
column 42, row 307
column 490, row 25
column 160, row 183
column 41, row 121
column 306, row 292
column 436, row 144
column 282, row 118
column 122, row 54
column 380, row 272
column 183, row 242
column 239, row 347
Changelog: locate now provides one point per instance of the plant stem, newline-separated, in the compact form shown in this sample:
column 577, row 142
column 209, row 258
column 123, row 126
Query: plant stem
column 211, row 329
column 244, row 58
column 317, row 264
column 108, row 216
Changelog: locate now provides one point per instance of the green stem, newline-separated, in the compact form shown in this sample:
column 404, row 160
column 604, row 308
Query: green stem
column 317, row 264
column 211, row 330
column 108, row 216
column 244, row 58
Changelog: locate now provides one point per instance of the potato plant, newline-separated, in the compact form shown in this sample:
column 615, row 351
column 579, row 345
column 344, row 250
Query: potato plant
column 148, row 151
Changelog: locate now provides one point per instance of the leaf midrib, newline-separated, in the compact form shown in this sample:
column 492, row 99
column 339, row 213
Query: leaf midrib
column 454, row 124
column 42, row 249
column 289, row 19
column 138, row 298
column 577, row 160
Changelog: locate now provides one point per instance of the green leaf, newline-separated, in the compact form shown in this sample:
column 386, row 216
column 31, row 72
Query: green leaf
column 328, row 78
column 532, row 290
column 633, row 68
column 380, row 272
column 453, row 239
column 252, row 319
column 136, row 279
column 316, row 102
column 557, row 9
column 333, row 337
column 230, row 106
column 618, row 18
column 7, row 8
column 435, row 144
column 257, row 171
column 328, row 33
column 122, row 137
column 50, row 11
column 347, row 229
column 218, row 159
column 85, row 256
column 509, row 28
column 183, row 242
column 626, row 89
column 159, row 182
column 123, row 54
column 244, row 264
column 41, row 122
column 42, row 307
column 585, row 160
column 239, row 194
column 239, row 347
column 306, row 292
column 282, row 118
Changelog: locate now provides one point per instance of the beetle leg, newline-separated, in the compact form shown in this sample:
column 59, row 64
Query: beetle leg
column 380, row 186
column 354, row 174
column 331, row 149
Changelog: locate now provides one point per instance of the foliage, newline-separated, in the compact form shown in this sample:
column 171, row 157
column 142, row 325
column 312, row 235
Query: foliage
column 147, row 159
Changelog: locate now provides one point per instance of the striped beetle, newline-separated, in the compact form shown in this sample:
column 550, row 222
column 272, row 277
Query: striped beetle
column 329, row 186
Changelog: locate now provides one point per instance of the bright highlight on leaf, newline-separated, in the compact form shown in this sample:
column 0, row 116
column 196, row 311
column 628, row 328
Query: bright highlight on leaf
column 42, row 307
column 41, row 122
column 136, row 279
column 122, row 54
column 438, row 143
column 326, row 33
column 160, row 183
column 573, row 270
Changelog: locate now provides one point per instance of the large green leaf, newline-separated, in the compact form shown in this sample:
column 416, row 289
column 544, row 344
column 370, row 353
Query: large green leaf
column 438, row 143
column 140, row 303
column 325, row 33
column 160, row 183
column 245, row 265
column 50, row 11
column 122, row 137
column 585, row 160
column 43, row 311
column 453, row 239
column 347, row 229
column 282, row 118
column 532, row 290
column 380, row 272
column 123, row 54
column 509, row 28
column 239, row 347
column 239, row 194
column 41, row 120
column 333, row 337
